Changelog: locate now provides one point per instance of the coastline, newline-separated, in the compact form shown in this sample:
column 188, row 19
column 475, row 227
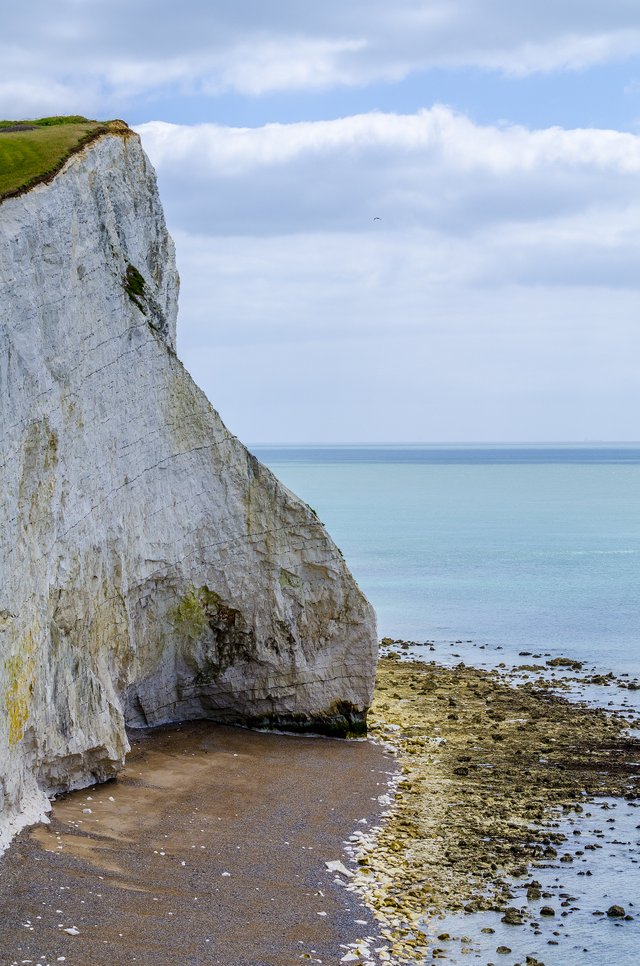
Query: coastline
column 471, row 790
column 488, row 771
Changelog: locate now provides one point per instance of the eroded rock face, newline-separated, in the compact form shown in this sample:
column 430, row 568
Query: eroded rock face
column 151, row 569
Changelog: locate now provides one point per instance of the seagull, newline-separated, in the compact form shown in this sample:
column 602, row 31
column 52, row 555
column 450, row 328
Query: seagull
column 377, row 218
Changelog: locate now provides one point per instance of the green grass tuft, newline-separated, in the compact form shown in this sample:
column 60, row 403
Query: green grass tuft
column 33, row 151
column 55, row 121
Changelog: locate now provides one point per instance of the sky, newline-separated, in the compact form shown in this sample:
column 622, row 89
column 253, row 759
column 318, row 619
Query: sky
column 408, row 221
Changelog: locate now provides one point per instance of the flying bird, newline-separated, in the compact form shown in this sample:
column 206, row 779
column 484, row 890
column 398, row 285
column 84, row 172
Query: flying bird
column 377, row 218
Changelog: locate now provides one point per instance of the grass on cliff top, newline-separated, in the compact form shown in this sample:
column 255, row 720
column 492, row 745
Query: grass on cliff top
column 32, row 152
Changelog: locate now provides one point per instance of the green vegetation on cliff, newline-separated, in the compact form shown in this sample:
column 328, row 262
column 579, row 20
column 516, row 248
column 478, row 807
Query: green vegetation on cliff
column 32, row 152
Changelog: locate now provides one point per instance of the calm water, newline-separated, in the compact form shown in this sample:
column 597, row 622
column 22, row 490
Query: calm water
column 518, row 547
column 502, row 549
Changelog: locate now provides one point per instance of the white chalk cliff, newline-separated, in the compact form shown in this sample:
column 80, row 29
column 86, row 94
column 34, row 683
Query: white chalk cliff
column 151, row 569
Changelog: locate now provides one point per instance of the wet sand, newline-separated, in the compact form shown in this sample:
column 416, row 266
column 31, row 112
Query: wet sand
column 208, row 849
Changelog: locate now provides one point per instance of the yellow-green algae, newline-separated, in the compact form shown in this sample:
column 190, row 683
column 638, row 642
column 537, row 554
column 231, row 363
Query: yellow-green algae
column 482, row 766
column 189, row 615
column 20, row 672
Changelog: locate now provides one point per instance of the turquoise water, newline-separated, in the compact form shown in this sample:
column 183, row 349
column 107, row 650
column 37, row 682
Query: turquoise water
column 490, row 551
column 513, row 547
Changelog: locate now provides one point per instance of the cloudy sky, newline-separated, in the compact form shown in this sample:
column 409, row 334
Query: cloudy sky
column 407, row 221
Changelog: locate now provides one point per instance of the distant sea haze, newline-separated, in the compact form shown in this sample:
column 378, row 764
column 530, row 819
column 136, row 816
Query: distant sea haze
column 515, row 546
column 472, row 453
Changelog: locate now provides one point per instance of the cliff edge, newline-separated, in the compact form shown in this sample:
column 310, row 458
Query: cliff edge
column 151, row 569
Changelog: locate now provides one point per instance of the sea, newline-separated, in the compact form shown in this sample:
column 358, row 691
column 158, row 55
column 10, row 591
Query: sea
column 493, row 553
column 511, row 546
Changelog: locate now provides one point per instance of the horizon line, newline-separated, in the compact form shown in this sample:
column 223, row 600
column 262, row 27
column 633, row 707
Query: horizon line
column 568, row 442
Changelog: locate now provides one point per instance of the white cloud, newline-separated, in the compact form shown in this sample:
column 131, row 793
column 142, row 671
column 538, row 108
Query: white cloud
column 497, row 296
column 307, row 338
column 293, row 64
column 566, row 52
column 112, row 51
column 433, row 170
column 37, row 97
column 438, row 133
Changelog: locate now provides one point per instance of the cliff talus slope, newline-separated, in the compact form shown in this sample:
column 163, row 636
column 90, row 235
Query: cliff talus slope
column 151, row 569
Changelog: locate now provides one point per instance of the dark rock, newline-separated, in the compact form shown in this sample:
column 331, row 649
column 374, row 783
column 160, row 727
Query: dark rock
column 616, row 912
column 566, row 662
column 513, row 916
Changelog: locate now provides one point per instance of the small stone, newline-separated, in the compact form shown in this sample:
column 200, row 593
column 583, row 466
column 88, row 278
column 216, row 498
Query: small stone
column 337, row 866
column 504, row 950
column 72, row 931
column 547, row 911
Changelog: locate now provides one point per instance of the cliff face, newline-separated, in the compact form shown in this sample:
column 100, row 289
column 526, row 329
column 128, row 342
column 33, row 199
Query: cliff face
column 151, row 569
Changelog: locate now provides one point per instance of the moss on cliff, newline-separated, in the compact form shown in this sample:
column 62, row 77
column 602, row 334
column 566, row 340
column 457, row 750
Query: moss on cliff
column 134, row 286
column 32, row 152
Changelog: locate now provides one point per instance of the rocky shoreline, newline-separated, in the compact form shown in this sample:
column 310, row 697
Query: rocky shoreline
column 489, row 795
column 487, row 772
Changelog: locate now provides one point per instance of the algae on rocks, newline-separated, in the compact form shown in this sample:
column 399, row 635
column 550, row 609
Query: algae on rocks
column 484, row 767
column 151, row 569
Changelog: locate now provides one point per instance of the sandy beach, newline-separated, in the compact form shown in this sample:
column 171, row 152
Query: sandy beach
column 210, row 848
